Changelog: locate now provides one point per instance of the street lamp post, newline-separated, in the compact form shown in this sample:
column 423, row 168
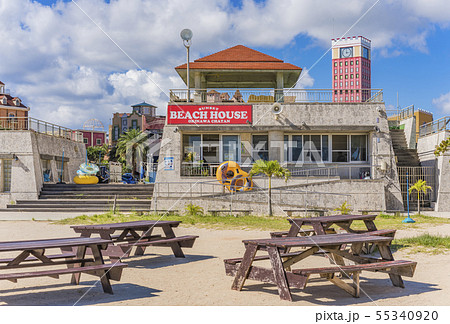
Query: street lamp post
column 186, row 36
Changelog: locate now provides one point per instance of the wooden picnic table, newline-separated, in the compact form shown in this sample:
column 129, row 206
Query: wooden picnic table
column 138, row 234
column 281, row 274
column 322, row 223
column 35, row 254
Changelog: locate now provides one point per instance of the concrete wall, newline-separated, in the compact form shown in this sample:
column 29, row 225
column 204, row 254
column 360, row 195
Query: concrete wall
column 410, row 131
column 364, row 195
column 366, row 118
column 26, row 173
column 425, row 148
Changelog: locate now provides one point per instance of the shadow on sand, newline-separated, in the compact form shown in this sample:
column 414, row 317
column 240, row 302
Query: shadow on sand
column 67, row 295
column 155, row 261
column 329, row 294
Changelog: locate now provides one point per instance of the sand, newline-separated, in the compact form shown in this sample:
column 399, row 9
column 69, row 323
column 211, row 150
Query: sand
column 158, row 278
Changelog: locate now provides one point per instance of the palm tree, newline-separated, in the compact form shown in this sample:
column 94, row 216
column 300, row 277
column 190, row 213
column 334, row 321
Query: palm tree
column 270, row 169
column 132, row 139
column 419, row 186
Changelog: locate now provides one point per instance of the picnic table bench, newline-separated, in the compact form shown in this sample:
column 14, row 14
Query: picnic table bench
column 138, row 234
column 34, row 255
column 289, row 212
column 215, row 212
column 281, row 274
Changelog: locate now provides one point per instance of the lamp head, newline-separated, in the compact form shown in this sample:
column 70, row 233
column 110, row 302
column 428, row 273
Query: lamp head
column 186, row 36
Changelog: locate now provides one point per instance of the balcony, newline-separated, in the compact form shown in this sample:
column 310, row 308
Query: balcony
column 39, row 126
column 239, row 96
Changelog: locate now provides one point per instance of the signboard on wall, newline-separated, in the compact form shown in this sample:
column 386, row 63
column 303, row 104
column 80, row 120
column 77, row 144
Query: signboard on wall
column 209, row 114
column 169, row 164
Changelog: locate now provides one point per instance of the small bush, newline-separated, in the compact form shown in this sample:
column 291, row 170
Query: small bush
column 344, row 209
column 193, row 210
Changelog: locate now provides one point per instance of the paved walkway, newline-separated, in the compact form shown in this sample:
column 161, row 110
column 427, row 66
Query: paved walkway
column 42, row 216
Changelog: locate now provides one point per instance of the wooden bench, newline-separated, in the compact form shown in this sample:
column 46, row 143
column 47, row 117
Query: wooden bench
column 166, row 211
column 51, row 257
column 303, row 232
column 289, row 212
column 97, row 270
column 398, row 267
column 215, row 212
column 184, row 241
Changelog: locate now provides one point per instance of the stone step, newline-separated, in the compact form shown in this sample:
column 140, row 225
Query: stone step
column 79, row 209
column 53, row 202
column 94, row 196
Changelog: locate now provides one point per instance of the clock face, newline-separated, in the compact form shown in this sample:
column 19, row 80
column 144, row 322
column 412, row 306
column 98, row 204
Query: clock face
column 346, row 52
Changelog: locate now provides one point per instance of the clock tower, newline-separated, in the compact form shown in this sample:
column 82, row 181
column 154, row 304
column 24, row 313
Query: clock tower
column 351, row 69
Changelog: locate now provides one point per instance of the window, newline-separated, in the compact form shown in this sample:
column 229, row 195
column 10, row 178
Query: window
column 346, row 70
column 312, row 148
column 260, row 147
column 357, row 62
column 296, row 148
column 5, row 175
column 357, row 83
column 357, row 69
column 351, row 62
column 335, row 84
column 340, row 77
column 287, row 156
column 335, row 63
column 346, row 63
column 340, row 150
column 116, row 133
column 335, row 71
column 85, row 140
column 357, row 75
column 340, row 63
column 335, row 77
column 351, row 83
column 210, row 148
column 61, row 176
column 191, row 148
column 346, row 76
column 98, row 141
column 134, row 124
column 46, row 170
column 359, row 147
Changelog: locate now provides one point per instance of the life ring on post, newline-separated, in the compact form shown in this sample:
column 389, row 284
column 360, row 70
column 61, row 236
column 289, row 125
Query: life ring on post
column 231, row 175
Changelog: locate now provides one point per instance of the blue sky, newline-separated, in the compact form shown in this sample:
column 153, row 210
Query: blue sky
column 68, row 70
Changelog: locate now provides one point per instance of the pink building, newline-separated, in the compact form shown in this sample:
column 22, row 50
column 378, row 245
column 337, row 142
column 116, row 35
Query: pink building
column 351, row 69
column 93, row 138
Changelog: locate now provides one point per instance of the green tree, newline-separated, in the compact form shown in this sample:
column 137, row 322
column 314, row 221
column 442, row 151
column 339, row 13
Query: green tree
column 442, row 147
column 270, row 169
column 419, row 186
column 133, row 140
column 95, row 153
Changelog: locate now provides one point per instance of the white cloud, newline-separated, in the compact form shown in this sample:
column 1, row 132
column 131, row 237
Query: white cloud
column 443, row 103
column 305, row 80
column 57, row 60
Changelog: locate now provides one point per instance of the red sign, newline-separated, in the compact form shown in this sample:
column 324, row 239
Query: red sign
column 209, row 114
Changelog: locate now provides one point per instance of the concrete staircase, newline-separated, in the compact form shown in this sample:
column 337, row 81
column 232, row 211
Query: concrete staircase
column 87, row 198
column 405, row 156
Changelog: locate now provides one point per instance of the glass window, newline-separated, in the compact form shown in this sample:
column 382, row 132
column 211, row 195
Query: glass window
column 359, row 147
column 192, row 148
column 340, row 152
column 210, row 148
column 312, row 148
column 261, row 147
column 5, row 175
column 230, row 148
column 85, row 140
column 286, row 148
column 296, row 146
column 46, row 170
column 335, row 63
column 98, row 141
column 116, row 133
column 325, row 151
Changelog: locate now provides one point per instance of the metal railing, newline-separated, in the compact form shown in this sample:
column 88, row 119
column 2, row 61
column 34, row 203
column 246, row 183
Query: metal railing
column 39, row 126
column 198, row 169
column 273, row 95
column 397, row 115
column 414, row 174
column 439, row 125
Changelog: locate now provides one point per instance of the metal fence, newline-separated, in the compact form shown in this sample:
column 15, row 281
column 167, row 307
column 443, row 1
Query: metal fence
column 436, row 126
column 39, row 126
column 414, row 174
column 269, row 95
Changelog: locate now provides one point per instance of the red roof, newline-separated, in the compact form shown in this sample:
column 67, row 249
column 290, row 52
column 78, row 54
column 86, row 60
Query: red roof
column 2, row 83
column 10, row 101
column 239, row 58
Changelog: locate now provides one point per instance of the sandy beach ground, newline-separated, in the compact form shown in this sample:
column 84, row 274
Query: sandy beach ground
column 158, row 278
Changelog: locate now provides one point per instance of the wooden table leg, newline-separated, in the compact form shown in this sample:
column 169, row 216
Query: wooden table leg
column 81, row 253
column 386, row 254
column 176, row 248
column 318, row 228
column 244, row 268
column 279, row 274
column 104, row 278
